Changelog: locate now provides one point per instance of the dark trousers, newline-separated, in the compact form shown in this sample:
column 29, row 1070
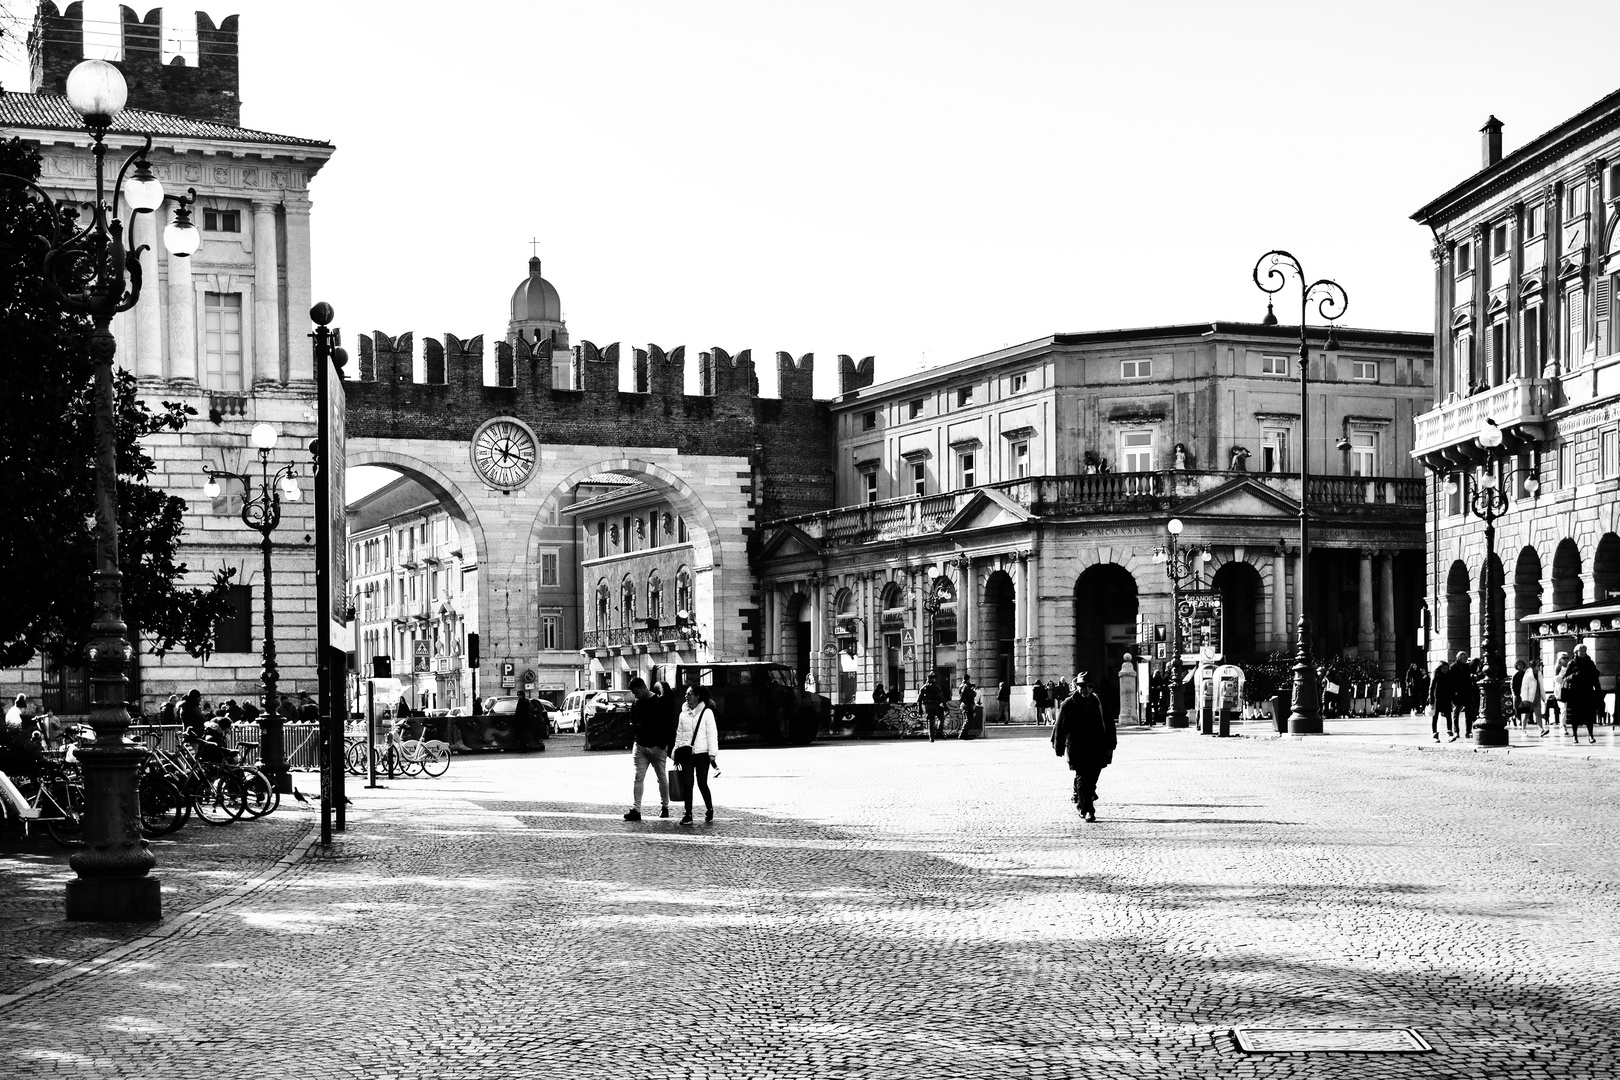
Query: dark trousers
column 1085, row 787
column 697, row 766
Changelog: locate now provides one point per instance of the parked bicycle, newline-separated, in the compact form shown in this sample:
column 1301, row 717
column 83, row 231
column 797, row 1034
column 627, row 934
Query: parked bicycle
column 397, row 756
column 54, row 798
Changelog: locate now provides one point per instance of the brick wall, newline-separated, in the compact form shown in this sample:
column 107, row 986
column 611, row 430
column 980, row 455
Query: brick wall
column 208, row 91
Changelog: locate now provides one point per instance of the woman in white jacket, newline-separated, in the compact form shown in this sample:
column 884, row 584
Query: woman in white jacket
column 697, row 747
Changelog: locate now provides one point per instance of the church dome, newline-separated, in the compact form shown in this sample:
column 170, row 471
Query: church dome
column 535, row 300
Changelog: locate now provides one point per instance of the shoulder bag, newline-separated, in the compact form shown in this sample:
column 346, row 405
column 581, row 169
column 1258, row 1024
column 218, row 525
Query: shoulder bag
column 683, row 754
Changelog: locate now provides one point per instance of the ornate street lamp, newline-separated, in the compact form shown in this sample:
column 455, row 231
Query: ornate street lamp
column 261, row 512
column 1489, row 502
column 1181, row 568
column 88, row 271
column 1331, row 301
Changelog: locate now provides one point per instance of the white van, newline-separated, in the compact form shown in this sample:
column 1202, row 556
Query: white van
column 571, row 717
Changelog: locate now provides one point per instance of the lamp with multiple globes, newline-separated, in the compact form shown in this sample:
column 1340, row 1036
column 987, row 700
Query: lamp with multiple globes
column 89, row 271
column 1489, row 502
column 262, row 497
column 1181, row 571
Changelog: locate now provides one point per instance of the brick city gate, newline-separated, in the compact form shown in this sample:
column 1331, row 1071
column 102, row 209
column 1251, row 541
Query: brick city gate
column 725, row 459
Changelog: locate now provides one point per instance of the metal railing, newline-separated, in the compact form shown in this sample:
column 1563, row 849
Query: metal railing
column 301, row 741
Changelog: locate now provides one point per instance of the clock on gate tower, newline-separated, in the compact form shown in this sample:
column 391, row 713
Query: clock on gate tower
column 503, row 453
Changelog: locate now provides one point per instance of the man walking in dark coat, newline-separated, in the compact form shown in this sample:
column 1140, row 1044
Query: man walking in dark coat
column 1088, row 739
column 1585, row 693
column 1464, row 694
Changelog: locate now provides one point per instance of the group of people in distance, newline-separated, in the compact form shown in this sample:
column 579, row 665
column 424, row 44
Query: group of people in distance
column 1573, row 691
column 673, row 728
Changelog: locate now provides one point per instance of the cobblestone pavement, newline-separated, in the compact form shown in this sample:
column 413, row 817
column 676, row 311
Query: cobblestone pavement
column 900, row 910
column 196, row 866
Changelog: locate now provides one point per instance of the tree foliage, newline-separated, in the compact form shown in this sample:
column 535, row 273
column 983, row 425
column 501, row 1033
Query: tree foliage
column 47, row 469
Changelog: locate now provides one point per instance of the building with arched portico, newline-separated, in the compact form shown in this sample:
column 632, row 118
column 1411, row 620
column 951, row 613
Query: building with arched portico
column 1527, row 268
column 998, row 517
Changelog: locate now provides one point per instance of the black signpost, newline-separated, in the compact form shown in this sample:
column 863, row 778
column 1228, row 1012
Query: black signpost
column 332, row 587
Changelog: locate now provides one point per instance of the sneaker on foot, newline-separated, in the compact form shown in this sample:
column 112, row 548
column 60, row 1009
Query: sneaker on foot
column 686, row 819
column 708, row 815
column 632, row 815
column 1091, row 816
column 664, row 812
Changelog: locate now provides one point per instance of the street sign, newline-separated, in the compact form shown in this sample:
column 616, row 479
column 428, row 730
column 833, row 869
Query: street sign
column 508, row 675
column 421, row 658
column 908, row 636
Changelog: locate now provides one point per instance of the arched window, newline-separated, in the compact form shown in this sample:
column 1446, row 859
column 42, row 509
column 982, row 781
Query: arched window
column 683, row 594
column 655, row 597
column 627, row 602
column 604, row 601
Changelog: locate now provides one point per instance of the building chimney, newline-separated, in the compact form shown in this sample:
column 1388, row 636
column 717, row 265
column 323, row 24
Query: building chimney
column 1490, row 147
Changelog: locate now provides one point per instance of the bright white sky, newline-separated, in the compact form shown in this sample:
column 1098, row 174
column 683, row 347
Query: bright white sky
column 920, row 181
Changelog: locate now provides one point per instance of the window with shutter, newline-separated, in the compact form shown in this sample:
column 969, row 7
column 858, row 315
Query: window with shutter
column 1574, row 326
column 1600, row 315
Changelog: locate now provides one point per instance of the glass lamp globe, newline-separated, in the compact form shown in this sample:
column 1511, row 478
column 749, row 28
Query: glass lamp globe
column 211, row 489
column 96, row 90
column 182, row 238
column 1488, row 481
column 144, row 192
column 1490, row 435
column 263, row 437
column 1175, row 526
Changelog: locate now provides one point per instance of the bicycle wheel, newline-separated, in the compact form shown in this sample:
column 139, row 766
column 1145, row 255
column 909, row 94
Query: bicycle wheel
column 415, row 756
column 163, row 808
column 354, row 758
column 220, row 799
column 66, row 825
column 433, row 758
column 262, row 796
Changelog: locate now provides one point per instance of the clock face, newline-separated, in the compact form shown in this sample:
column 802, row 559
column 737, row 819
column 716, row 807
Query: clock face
column 503, row 453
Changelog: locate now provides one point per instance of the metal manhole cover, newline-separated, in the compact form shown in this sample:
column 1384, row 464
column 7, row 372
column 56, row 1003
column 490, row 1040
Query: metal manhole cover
column 1300, row 1040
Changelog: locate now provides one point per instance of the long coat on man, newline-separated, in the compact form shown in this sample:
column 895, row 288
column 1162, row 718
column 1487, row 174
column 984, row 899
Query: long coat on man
column 1083, row 734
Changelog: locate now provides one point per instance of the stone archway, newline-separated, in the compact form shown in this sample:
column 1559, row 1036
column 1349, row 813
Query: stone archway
column 1459, row 606
column 1526, row 601
column 1606, row 590
column 1105, row 606
column 1241, row 613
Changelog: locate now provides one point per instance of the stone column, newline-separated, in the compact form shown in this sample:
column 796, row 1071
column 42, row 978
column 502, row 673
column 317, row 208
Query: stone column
column 1035, row 658
column 1386, row 614
column 149, row 311
column 966, row 617
column 300, row 360
column 266, row 297
column 817, row 631
column 1021, row 616
column 1366, row 644
column 1279, row 598
column 182, row 308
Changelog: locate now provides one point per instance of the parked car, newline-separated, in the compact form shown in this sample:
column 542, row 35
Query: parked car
column 757, row 702
column 571, row 715
column 607, row 720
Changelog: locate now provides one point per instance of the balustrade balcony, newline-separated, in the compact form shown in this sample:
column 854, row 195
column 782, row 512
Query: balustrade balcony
column 1517, row 403
column 1100, row 494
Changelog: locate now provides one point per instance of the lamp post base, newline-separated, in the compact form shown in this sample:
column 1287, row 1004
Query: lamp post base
column 136, row 898
column 1490, row 734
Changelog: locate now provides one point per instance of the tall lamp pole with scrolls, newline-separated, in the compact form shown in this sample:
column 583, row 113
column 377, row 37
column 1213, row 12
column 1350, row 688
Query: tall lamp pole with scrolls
column 1488, row 502
column 1180, row 568
column 88, row 271
column 1272, row 274
column 261, row 512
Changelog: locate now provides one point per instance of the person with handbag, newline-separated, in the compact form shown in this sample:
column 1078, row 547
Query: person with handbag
column 697, row 748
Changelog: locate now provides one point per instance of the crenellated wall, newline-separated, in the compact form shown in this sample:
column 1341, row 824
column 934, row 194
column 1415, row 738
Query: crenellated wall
column 789, row 439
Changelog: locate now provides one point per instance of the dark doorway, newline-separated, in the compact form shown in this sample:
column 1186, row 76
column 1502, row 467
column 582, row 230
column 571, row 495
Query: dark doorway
column 1526, row 601
column 1001, row 622
column 1459, row 608
column 1104, row 627
column 1240, row 588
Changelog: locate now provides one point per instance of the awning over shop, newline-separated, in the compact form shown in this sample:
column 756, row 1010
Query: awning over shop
column 1587, row 621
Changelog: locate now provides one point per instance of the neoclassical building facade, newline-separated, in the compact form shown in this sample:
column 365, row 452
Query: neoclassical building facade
column 224, row 331
column 999, row 517
column 1527, row 267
